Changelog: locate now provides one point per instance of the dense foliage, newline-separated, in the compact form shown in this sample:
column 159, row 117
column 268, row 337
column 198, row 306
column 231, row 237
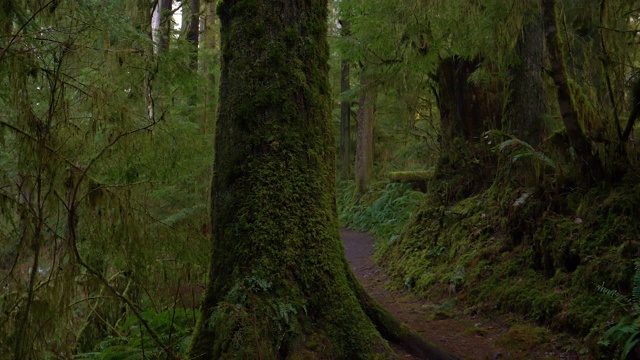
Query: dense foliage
column 100, row 191
column 523, row 112
column 533, row 189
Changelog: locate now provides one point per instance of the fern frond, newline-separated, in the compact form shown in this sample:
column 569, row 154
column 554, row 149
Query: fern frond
column 513, row 143
column 617, row 297
column 635, row 293
column 630, row 345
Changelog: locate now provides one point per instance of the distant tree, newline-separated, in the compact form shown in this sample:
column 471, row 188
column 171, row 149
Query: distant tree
column 193, row 32
column 345, row 112
column 162, row 23
column 365, row 139
column 209, row 60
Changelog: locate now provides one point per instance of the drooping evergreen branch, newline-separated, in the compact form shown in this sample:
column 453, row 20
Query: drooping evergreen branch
column 154, row 336
column 45, row 146
column 71, row 214
column 15, row 36
column 120, row 136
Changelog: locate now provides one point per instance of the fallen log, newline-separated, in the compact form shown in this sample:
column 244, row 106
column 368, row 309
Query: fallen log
column 419, row 177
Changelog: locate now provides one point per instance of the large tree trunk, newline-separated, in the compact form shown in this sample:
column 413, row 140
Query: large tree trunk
column 365, row 144
column 528, row 104
column 279, row 284
column 467, row 110
column 345, row 114
column 460, row 115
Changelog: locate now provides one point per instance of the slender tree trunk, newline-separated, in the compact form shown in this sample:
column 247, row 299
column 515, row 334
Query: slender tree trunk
column 527, row 104
column 161, row 24
column 590, row 163
column 193, row 33
column 279, row 284
column 365, row 143
column 185, row 18
column 208, row 43
column 345, row 114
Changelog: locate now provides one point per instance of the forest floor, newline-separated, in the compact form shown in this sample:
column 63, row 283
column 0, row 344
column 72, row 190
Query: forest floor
column 446, row 323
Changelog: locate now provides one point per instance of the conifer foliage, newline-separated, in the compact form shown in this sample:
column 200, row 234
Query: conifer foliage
column 101, row 199
column 108, row 214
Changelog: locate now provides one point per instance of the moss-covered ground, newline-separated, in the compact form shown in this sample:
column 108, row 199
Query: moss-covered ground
column 541, row 253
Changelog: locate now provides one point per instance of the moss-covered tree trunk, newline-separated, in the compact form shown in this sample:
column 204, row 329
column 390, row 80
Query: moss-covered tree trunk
column 590, row 163
column 279, row 285
column 460, row 116
column 527, row 103
column 467, row 110
column 345, row 113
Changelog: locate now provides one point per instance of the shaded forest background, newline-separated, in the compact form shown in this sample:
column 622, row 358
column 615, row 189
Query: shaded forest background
column 490, row 146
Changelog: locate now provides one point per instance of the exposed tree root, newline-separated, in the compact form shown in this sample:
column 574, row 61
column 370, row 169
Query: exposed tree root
column 394, row 330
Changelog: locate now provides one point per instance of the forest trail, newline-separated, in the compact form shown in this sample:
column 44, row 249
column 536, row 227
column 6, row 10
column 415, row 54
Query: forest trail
column 468, row 336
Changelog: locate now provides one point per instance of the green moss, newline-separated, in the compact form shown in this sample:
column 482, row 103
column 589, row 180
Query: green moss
column 277, row 271
column 523, row 338
column 475, row 330
column 529, row 251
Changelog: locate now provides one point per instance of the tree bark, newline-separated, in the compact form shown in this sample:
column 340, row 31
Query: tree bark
column 279, row 284
column 193, row 33
column 365, row 143
column 590, row 163
column 467, row 110
column 345, row 114
column 527, row 104
column 161, row 24
column 460, row 115
column 208, row 43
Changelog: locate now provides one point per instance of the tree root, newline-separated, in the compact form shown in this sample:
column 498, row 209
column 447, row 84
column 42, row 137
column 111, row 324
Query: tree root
column 394, row 330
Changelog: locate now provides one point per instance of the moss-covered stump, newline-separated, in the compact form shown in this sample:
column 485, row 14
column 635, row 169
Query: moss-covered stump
column 279, row 284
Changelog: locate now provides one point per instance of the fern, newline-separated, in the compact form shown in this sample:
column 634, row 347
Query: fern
column 382, row 211
column 626, row 332
column 635, row 293
column 173, row 329
column 521, row 149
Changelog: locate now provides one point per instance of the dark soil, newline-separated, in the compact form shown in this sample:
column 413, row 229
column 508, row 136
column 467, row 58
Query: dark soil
column 446, row 324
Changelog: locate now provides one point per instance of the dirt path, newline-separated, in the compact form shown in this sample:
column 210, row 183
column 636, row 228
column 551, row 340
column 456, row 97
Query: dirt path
column 470, row 337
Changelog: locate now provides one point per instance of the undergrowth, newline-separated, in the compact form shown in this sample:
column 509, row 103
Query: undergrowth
column 383, row 211
column 540, row 252
column 130, row 341
column 624, row 336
